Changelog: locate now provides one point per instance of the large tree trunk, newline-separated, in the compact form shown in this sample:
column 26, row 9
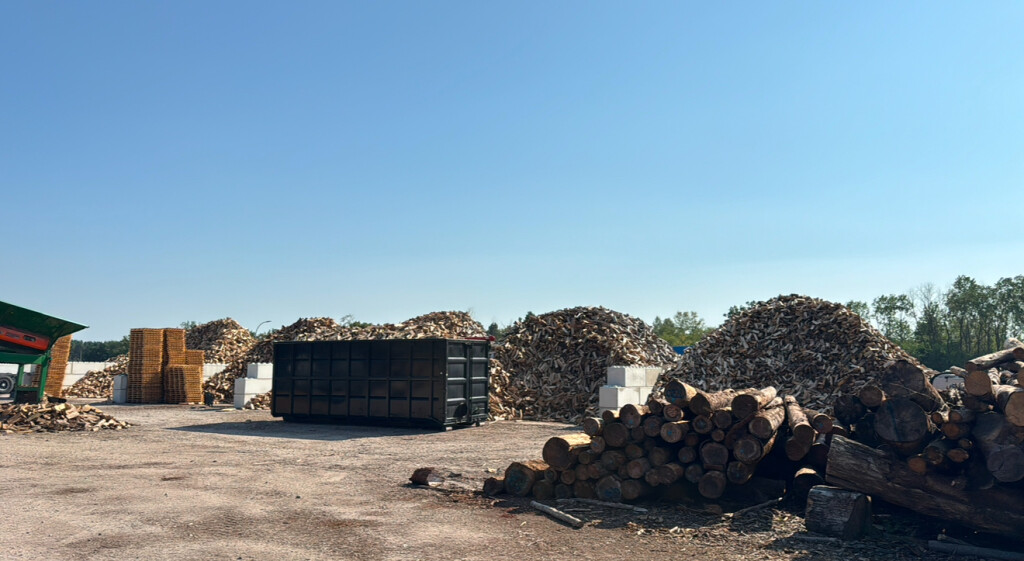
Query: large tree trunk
column 560, row 452
column 904, row 379
column 853, row 466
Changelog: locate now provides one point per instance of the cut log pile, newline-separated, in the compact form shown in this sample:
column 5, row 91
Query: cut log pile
column 957, row 455
column 551, row 366
column 442, row 325
column 809, row 348
column 50, row 417
column 686, row 444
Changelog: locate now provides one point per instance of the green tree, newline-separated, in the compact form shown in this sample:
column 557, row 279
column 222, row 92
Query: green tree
column 894, row 315
column 348, row 320
column 97, row 351
column 683, row 329
column 737, row 310
column 862, row 309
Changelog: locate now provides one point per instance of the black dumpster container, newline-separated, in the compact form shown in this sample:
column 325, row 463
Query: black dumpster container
column 425, row 382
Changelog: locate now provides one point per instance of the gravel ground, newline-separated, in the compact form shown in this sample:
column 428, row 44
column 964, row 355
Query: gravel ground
column 212, row 483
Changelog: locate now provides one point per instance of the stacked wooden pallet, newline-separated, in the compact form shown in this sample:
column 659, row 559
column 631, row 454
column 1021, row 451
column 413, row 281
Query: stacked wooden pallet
column 145, row 365
column 59, row 354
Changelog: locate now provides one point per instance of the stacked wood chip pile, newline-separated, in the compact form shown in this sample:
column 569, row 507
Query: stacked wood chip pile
column 809, row 348
column 957, row 455
column 690, row 442
column 551, row 366
column 59, row 354
column 224, row 340
column 99, row 383
column 42, row 417
column 444, row 325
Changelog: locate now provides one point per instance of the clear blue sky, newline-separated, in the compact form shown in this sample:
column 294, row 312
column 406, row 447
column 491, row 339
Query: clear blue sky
column 164, row 162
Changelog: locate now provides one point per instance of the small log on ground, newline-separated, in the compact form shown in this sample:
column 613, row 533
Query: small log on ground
column 494, row 486
column 521, row 476
column 712, row 484
column 806, row 478
column 799, row 425
column 838, row 512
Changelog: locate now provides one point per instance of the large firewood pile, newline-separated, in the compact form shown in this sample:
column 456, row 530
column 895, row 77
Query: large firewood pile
column 223, row 340
column 445, row 325
column 690, row 443
column 551, row 366
column 809, row 348
column 99, row 383
column 50, row 417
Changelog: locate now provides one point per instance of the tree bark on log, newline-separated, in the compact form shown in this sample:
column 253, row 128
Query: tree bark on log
column 521, row 476
column 679, row 393
column 806, row 478
column 849, row 409
column 593, row 426
column 985, row 362
column 632, row 415
column 979, row 383
column 799, row 425
column 902, row 423
column 856, row 467
column 560, row 452
column 765, row 423
column 1010, row 400
column 1000, row 444
column 712, row 485
column 871, row 396
column 748, row 402
column 705, row 403
column 902, row 378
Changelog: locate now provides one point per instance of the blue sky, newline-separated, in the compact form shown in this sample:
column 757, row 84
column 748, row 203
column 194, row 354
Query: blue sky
column 164, row 162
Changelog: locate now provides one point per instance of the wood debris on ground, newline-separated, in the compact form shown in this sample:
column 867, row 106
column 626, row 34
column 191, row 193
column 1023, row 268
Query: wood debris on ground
column 551, row 366
column 55, row 417
column 806, row 347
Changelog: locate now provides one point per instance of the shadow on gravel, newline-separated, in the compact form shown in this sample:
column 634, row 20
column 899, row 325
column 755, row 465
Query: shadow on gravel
column 301, row 431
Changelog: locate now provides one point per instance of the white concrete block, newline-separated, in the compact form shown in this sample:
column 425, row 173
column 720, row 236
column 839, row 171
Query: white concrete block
column 626, row 376
column 210, row 369
column 248, row 388
column 643, row 393
column 614, row 397
column 261, row 370
column 121, row 382
column 651, row 374
column 121, row 396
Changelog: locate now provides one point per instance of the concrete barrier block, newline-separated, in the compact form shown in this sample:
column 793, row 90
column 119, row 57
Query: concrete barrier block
column 120, row 396
column 121, row 382
column 248, row 388
column 651, row 375
column 261, row 370
column 626, row 376
column 211, row 369
column 644, row 392
column 614, row 397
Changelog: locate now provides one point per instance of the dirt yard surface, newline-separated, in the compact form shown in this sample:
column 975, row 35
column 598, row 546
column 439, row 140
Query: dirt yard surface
column 212, row 483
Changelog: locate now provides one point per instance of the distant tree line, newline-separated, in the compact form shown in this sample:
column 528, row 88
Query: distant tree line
column 97, row 351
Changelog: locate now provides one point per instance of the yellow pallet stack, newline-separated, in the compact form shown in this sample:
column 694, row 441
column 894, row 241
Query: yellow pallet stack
column 145, row 366
column 183, row 384
column 59, row 354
